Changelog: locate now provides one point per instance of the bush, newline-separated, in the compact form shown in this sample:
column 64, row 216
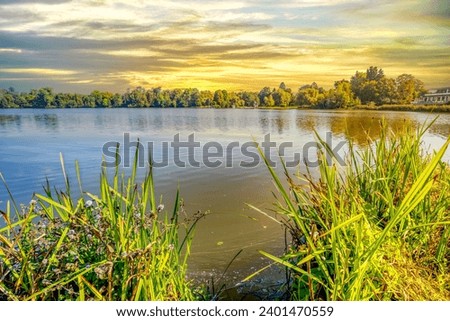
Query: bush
column 376, row 229
column 120, row 245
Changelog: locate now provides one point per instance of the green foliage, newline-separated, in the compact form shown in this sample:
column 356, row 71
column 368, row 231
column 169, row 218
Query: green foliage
column 136, row 98
column 250, row 99
column 102, row 99
column 376, row 229
column 282, row 97
column 373, row 87
column 44, row 98
column 311, row 95
column 221, row 98
column 374, row 74
column 119, row 245
column 342, row 95
column 269, row 101
column 7, row 99
column 408, row 88
column 369, row 88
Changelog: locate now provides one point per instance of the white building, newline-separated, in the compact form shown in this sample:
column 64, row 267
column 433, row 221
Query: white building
column 437, row 96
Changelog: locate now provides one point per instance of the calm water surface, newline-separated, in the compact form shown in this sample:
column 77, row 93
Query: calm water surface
column 31, row 141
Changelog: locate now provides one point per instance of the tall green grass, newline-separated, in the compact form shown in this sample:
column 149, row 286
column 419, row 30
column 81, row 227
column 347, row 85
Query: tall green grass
column 118, row 245
column 377, row 228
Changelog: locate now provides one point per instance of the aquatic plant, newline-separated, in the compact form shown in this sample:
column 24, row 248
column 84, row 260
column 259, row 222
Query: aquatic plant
column 118, row 245
column 377, row 228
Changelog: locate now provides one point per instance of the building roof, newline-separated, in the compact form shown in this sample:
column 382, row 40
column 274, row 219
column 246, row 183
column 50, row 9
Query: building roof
column 439, row 91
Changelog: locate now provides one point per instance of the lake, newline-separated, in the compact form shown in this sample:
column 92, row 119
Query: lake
column 222, row 183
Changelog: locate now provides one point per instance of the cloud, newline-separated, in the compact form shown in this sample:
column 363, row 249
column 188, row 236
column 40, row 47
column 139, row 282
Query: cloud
column 38, row 71
column 238, row 44
column 15, row 2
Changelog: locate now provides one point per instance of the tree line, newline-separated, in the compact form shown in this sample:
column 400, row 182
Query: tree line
column 369, row 87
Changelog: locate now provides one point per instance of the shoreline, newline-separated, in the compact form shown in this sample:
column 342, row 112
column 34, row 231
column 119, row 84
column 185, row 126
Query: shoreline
column 408, row 108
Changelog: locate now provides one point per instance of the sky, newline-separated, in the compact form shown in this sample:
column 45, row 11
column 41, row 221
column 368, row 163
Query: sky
column 79, row 46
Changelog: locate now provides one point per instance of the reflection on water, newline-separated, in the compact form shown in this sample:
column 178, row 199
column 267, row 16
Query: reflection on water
column 47, row 121
column 10, row 121
column 31, row 141
column 280, row 123
column 221, row 122
column 306, row 123
column 361, row 128
column 264, row 123
column 441, row 129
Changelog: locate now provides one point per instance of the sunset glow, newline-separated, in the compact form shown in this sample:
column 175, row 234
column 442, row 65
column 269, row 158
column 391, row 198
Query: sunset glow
column 115, row 45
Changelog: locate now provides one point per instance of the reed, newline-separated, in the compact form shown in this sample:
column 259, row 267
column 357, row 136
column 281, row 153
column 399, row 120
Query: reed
column 442, row 108
column 118, row 245
column 375, row 229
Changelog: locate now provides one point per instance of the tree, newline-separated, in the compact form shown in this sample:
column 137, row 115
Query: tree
column 155, row 97
column 282, row 97
column 194, row 97
column 250, row 99
column 206, row 98
column 20, row 100
column 342, row 96
column 221, row 98
column 7, row 99
column 368, row 87
column 269, row 101
column 103, row 99
column 386, row 91
column 408, row 88
column 310, row 95
column 235, row 100
column 373, row 73
column 89, row 101
column 164, row 98
column 357, row 83
column 263, row 94
column 61, row 100
column 116, row 100
column 373, row 87
column 179, row 98
column 136, row 98
column 44, row 98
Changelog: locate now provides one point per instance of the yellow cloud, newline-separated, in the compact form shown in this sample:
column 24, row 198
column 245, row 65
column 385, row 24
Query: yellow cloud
column 209, row 44
column 39, row 71
column 10, row 50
